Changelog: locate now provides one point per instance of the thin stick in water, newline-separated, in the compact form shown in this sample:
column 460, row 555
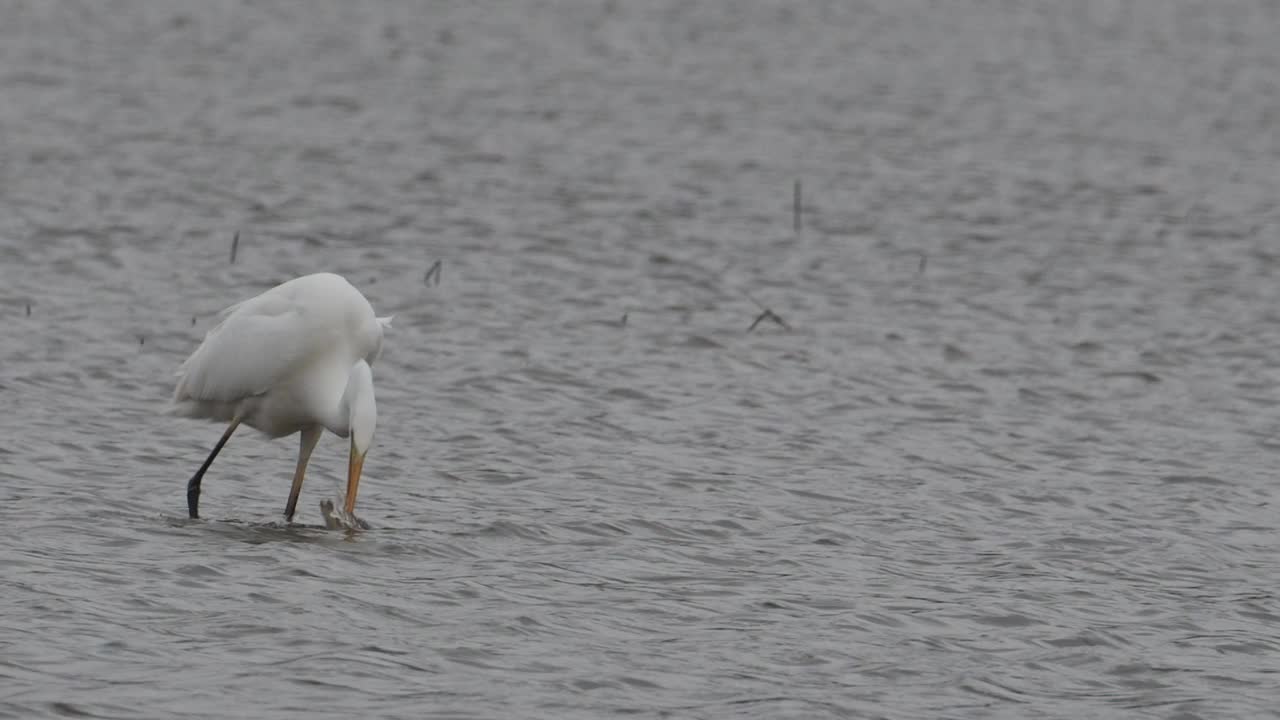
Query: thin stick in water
column 772, row 316
column 765, row 312
column 433, row 272
column 235, row 244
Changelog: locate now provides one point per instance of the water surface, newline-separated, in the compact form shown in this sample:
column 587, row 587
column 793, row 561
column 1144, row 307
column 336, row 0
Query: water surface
column 1011, row 457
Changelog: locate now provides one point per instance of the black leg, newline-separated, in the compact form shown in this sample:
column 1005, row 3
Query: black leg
column 193, row 485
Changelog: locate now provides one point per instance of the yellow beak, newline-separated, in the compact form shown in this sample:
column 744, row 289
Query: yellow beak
column 355, row 464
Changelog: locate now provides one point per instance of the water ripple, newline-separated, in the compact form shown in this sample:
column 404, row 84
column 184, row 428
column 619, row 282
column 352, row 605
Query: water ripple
column 1005, row 454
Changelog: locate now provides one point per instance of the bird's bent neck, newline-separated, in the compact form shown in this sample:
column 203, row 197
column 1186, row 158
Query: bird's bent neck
column 355, row 413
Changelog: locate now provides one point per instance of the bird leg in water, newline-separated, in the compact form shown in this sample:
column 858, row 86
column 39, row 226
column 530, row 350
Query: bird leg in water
column 193, row 485
column 310, row 436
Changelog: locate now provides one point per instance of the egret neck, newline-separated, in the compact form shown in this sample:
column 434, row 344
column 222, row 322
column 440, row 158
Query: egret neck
column 356, row 417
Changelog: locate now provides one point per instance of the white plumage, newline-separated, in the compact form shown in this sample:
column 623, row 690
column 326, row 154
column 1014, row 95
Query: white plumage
column 296, row 359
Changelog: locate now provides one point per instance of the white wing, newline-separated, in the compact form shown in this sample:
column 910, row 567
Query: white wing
column 257, row 343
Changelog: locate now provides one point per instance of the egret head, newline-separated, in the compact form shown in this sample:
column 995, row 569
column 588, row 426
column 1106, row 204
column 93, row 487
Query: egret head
column 362, row 420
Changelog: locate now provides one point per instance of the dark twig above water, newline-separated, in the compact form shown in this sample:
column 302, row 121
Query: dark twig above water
column 765, row 312
column 433, row 273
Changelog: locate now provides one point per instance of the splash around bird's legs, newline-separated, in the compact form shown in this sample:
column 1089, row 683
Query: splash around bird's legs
column 335, row 518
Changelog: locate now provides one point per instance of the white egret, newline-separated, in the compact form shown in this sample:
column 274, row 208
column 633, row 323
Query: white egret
column 295, row 359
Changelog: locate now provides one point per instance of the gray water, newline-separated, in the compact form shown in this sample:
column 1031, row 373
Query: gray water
column 1011, row 456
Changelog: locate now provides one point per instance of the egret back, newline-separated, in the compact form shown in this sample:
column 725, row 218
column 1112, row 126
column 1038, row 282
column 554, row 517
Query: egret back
column 260, row 342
